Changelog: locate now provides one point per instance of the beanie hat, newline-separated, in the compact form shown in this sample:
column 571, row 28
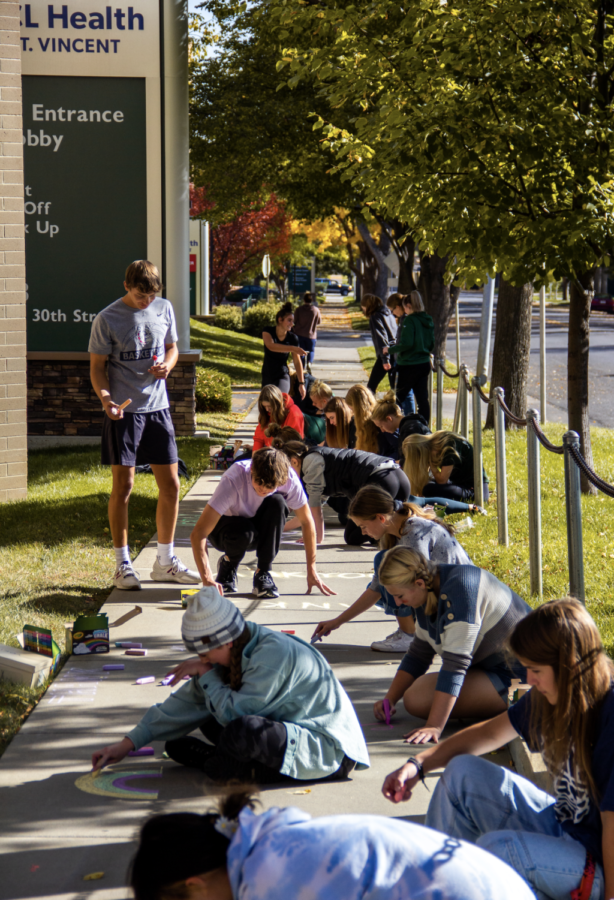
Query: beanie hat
column 210, row 621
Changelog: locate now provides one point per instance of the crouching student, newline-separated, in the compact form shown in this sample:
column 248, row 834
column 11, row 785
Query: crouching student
column 283, row 854
column 394, row 523
column 465, row 615
column 248, row 511
column 268, row 703
column 561, row 844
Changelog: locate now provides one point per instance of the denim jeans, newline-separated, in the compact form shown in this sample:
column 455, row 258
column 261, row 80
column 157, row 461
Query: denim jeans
column 507, row 815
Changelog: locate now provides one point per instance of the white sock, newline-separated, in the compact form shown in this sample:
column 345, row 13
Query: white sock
column 165, row 553
column 122, row 555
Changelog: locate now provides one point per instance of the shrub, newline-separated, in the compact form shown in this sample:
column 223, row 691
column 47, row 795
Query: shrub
column 213, row 392
column 259, row 317
column 228, row 317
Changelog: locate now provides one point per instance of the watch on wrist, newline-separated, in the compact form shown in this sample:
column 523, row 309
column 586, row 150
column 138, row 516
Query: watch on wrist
column 301, row 382
column 419, row 766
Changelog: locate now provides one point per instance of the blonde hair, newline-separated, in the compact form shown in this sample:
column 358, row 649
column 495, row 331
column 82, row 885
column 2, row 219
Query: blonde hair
column 385, row 407
column 423, row 452
column 402, row 567
column 362, row 401
column 321, row 389
column 370, row 303
column 271, row 394
column 372, row 501
column 338, row 435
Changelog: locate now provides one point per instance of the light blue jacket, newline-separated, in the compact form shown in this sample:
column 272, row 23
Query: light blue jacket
column 284, row 854
column 284, row 679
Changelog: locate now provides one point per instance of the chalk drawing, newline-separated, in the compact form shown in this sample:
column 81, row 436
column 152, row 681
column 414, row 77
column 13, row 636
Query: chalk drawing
column 74, row 686
column 120, row 783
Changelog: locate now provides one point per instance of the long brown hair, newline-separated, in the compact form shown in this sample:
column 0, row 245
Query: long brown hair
column 562, row 634
column 362, row 401
column 403, row 567
column 233, row 675
column 338, row 435
column 423, row 452
column 370, row 303
column 271, row 394
column 283, row 432
column 372, row 501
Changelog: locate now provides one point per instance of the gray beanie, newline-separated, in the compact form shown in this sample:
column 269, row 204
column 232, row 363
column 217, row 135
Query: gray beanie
column 210, row 621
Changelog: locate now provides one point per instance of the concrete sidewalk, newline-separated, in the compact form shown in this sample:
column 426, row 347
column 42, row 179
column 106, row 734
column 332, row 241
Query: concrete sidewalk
column 54, row 833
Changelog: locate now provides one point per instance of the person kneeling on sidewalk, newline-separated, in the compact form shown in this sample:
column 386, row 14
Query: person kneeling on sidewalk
column 248, row 511
column 269, row 704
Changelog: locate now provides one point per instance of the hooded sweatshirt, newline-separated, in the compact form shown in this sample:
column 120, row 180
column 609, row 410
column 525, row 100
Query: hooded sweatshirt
column 294, row 418
column 416, row 340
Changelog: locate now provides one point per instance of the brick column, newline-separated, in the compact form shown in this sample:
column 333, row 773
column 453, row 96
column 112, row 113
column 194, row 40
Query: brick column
column 13, row 442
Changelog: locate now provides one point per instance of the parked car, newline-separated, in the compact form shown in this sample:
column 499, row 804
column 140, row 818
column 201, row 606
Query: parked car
column 335, row 287
column 250, row 290
column 603, row 304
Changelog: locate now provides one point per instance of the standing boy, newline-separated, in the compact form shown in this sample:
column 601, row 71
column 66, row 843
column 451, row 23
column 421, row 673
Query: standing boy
column 137, row 336
column 248, row 511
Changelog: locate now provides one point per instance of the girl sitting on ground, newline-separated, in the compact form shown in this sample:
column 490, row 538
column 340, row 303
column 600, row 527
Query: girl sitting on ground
column 388, row 417
column 315, row 423
column 361, row 401
column 273, row 406
column 448, row 458
column 393, row 523
column 340, row 428
column 465, row 615
column 283, row 854
column 558, row 843
column 268, row 703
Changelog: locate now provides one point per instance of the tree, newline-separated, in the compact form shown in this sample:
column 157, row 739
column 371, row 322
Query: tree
column 510, row 371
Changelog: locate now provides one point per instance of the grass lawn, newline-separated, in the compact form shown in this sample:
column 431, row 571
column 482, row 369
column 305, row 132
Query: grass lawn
column 57, row 559
column 511, row 564
column 237, row 355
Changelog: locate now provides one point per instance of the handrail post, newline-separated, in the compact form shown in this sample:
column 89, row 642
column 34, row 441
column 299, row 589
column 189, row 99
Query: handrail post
column 439, row 416
column 535, row 520
column 456, row 425
column 573, row 510
column 457, row 316
column 478, row 485
column 430, row 421
column 464, row 415
column 501, row 467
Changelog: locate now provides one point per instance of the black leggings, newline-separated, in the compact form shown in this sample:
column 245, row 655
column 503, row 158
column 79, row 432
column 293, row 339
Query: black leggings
column 282, row 382
column 377, row 373
column 453, row 491
column 235, row 535
column 416, row 379
column 395, row 483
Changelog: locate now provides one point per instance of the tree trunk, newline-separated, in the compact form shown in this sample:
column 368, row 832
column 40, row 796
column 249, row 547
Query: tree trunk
column 510, row 362
column 379, row 253
column 439, row 298
column 581, row 290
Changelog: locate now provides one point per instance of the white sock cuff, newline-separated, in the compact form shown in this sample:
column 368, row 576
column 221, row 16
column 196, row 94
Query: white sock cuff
column 165, row 553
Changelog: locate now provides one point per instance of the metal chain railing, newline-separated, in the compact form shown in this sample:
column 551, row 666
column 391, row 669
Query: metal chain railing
column 544, row 440
column 594, row 479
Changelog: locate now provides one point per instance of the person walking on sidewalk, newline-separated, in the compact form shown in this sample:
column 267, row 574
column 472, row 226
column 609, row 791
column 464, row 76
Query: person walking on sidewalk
column 561, row 843
column 412, row 351
column 383, row 328
column 137, row 337
column 307, row 317
column 248, row 511
column 269, row 703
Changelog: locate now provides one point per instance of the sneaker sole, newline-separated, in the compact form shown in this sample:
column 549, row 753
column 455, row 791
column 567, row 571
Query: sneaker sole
column 265, row 595
column 133, row 587
column 388, row 650
column 173, row 580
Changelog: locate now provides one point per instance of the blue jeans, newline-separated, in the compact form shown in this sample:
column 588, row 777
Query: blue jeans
column 507, row 815
column 309, row 345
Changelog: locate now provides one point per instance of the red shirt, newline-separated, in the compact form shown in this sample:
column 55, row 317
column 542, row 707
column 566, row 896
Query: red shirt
column 294, row 418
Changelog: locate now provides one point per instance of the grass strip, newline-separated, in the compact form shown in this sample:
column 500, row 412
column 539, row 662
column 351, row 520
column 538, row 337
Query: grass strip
column 237, row 355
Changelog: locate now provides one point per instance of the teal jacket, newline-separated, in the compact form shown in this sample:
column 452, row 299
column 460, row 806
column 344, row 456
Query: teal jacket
column 416, row 340
column 284, row 679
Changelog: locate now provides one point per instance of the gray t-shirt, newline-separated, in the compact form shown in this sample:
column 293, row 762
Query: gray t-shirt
column 131, row 338
column 433, row 541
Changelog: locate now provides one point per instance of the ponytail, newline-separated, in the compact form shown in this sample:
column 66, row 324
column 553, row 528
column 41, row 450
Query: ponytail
column 371, row 501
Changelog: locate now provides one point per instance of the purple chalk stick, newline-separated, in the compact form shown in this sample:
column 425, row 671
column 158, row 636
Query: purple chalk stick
column 386, row 705
column 144, row 751
column 113, row 668
column 128, row 645
column 167, row 679
column 148, row 679
column 315, row 639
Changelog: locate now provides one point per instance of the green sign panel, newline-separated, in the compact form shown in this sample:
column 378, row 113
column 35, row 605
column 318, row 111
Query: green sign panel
column 85, row 200
column 299, row 279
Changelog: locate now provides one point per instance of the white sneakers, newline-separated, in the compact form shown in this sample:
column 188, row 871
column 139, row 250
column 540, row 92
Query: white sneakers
column 126, row 578
column 397, row 642
column 174, row 571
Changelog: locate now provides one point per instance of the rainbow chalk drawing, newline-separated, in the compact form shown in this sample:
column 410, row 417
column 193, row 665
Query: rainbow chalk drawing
column 120, row 783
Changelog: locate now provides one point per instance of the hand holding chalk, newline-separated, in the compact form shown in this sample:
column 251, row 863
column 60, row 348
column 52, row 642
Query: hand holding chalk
column 123, row 405
column 323, row 629
column 383, row 710
column 114, row 753
column 315, row 638
column 386, row 706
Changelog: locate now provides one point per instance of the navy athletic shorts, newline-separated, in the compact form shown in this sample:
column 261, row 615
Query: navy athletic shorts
column 139, row 438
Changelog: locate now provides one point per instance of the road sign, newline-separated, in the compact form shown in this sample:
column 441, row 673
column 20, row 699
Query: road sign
column 266, row 265
column 299, row 279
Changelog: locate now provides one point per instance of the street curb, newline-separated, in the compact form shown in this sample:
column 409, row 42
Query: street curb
column 530, row 765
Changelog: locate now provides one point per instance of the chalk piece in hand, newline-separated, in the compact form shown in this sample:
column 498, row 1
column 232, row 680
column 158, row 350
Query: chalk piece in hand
column 113, row 668
column 135, row 652
column 147, row 679
column 128, row 645
column 287, row 632
column 315, row 639
column 167, row 679
column 386, row 706
column 125, row 404
column 144, row 751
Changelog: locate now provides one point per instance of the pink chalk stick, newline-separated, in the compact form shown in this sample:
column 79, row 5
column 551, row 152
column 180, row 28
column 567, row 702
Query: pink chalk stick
column 386, row 705
column 144, row 751
column 147, row 679
column 135, row 653
column 287, row 632
column 113, row 668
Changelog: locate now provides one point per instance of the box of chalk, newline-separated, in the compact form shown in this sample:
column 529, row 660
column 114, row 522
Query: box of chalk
column 90, row 634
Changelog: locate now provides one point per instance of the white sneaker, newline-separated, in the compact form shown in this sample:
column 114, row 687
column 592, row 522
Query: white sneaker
column 397, row 642
column 174, row 571
column 126, row 578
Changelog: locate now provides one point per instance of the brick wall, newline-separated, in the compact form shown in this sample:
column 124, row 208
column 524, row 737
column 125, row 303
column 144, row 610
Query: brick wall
column 13, row 447
column 61, row 400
